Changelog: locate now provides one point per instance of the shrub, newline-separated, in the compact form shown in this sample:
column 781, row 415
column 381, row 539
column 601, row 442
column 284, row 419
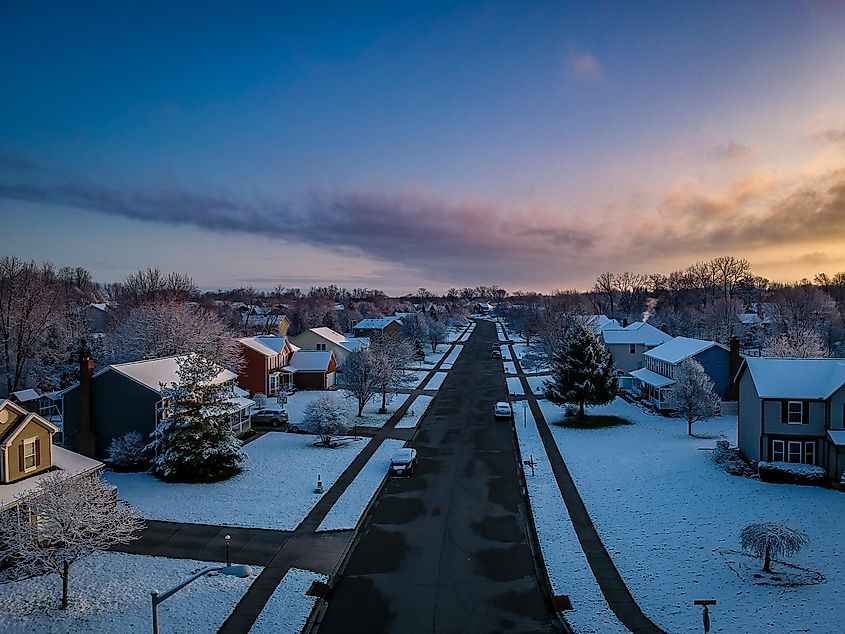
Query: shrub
column 790, row 473
column 128, row 453
column 260, row 400
column 729, row 459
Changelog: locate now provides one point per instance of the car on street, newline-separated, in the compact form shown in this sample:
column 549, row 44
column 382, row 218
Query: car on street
column 403, row 462
column 270, row 418
column 503, row 410
column 497, row 354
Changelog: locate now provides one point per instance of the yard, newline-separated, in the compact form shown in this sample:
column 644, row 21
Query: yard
column 276, row 489
column 289, row 606
column 670, row 519
column 110, row 593
column 298, row 401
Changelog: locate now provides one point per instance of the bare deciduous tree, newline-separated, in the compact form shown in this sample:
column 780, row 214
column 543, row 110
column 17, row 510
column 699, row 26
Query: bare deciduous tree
column 767, row 540
column 692, row 394
column 359, row 376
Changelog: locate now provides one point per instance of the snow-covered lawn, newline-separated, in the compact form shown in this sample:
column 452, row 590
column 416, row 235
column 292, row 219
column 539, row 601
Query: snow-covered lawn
column 416, row 377
column 371, row 418
column 110, row 593
column 348, row 509
column 568, row 569
column 436, row 381
column 536, row 383
column 415, row 412
column 431, row 358
column 289, row 606
column 670, row 517
column 276, row 489
column 515, row 386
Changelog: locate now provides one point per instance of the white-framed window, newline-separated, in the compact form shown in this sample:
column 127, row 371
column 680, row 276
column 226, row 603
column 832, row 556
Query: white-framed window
column 810, row 452
column 795, row 412
column 793, row 450
column 274, row 383
column 29, row 454
column 321, row 347
column 778, row 451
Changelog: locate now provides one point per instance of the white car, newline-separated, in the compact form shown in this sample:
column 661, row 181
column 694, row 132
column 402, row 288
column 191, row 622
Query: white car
column 503, row 410
column 403, row 462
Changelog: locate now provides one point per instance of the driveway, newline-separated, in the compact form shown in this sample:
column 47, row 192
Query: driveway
column 447, row 550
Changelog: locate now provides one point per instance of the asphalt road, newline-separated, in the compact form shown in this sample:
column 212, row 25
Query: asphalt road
column 446, row 550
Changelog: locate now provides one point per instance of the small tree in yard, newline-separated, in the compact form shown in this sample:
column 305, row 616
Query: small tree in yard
column 195, row 442
column 583, row 372
column 438, row 333
column 129, row 453
column 692, row 395
column 360, row 377
column 391, row 355
column 68, row 521
column 327, row 417
column 771, row 539
column 419, row 352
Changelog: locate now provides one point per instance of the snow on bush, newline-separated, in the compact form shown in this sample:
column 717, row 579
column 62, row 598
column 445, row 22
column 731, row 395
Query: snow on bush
column 729, row 459
column 260, row 400
column 327, row 417
column 128, row 453
column 791, row 473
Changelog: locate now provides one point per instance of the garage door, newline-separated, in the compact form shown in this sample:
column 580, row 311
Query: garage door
column 330, row 379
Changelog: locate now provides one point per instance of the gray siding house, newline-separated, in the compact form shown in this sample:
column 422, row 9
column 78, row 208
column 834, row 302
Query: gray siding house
column 126, row 397
column 793, row 410
column 628, row 345
column 654, row 380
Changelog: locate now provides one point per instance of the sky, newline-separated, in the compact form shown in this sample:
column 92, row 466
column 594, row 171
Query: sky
column 397, row 145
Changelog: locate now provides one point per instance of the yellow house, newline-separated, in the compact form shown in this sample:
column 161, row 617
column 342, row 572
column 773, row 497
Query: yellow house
column 27, row 451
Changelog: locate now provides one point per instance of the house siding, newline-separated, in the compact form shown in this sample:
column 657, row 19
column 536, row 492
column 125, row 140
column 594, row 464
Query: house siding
column 749, row 412
column 254, row 377
column 837, row 409
column 717, row 362
column 30, row 430
column 624, row 360
column 776, row 426
column 119, row 405
column 308, row 340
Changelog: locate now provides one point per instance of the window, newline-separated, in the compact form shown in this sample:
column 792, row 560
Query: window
column 793, row 451
column 778, row 451
column 633, row 348
column 810, row 453
column 274, row 383
column 795, row 412
column 29, row 454
column 321, row 347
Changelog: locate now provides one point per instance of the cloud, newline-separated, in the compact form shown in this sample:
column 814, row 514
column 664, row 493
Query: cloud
column 583, row 64
column 831, row 135
column 730, row 153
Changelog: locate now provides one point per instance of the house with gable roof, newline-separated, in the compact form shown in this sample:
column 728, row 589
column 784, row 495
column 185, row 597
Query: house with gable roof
column 793, row 410
column 628, row 345
column 325, row 339
column 377, row 327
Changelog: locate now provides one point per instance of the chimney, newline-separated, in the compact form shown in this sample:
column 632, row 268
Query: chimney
column 84, row 441
column 624, row 322
column 735, row 362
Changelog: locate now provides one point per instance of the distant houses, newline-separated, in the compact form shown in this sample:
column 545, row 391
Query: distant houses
column 27, row 453
column 326, row 339
column 793, row 410
column 127, row 397
column 377, row 327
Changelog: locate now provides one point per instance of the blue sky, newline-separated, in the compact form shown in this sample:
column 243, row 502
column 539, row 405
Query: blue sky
column 396, row 145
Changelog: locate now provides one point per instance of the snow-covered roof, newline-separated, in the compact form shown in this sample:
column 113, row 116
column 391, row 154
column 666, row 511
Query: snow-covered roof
column 638, row 332
column 599, row 322
column 268, row 345
column 309, row 361
column 72, row 464
column 796, row 378
column 102, row 307
column 376, row 324
column 837, row 436
column 155, row 372
column 652, row 378
column 25, row 396
column 680, row 348
column 329, row 334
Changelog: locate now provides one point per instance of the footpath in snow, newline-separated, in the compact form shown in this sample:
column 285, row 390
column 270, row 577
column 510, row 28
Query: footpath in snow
column 289, row 607
column 566, row 563
column 110, row 594
column 670, row 519
column 346, row 512
column 276, row 489
column 415, row 412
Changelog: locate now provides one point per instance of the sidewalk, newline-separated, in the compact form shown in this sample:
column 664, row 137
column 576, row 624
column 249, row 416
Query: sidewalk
column 612, row 585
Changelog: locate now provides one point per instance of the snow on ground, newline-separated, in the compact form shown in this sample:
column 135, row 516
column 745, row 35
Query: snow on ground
column 416, row 377
column 289, row 607
column 431, row 358
column 348, row 509
column 536, row 383
column 666, row 514
column 453, row 356
column 276, row 489
column 415, row 412
column 436, row 381
column 298, row 401
column 515, row 386
column 110, row 593
column 568, row 569
column 510, row 368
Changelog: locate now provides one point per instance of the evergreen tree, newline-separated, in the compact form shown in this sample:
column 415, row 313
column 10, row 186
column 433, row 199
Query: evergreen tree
column 194, row 442
column 583, row 371
column 419, row 351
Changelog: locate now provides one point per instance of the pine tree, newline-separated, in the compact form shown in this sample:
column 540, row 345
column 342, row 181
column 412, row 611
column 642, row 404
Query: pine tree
column 583, row 371
column 195, row 442
column 419, row 351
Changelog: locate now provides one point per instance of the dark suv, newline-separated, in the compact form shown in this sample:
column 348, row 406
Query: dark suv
column 269, row 418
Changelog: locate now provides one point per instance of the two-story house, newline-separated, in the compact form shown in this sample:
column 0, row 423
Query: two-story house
column 793, row 410
column 27, row 452
column 126, row 397
column 628, row 345
column 657, row 377
column 377, row 327
column 265, row 357
column 327, row 340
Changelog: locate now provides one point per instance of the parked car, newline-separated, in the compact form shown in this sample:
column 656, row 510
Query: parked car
column 269, row 417
column 503, row 410
column 497, row 354
column 403, row 462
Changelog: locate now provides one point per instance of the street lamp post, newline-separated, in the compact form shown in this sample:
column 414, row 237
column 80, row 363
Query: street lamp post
column 228, row 539
column 158, row 599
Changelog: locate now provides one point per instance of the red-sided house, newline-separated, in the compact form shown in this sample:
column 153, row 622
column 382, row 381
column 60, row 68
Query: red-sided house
column 313, row 369
column 265, row 357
